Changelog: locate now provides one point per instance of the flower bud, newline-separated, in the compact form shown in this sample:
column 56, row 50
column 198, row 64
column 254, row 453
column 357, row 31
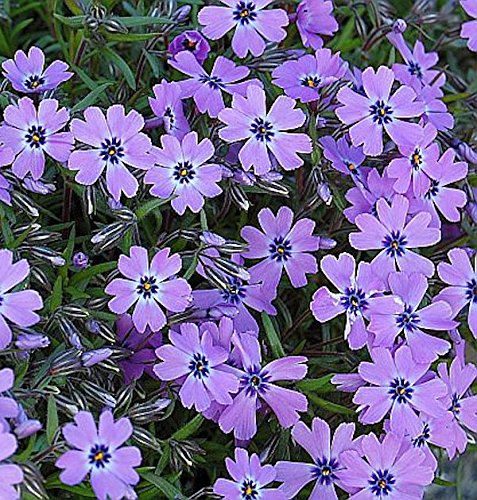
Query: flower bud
column 399, row 26
column 92, row 358
column 80, row 260
column 27, row 341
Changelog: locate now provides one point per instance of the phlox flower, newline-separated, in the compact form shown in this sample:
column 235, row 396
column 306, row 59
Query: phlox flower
column 313, row 19
column 8, row 406
column 190, row 41
column 344, row 157
column 10, row 473
column 469, row 28
column 264, row 132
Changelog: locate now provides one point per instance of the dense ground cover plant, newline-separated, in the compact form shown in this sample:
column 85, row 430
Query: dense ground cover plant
column 237, row 248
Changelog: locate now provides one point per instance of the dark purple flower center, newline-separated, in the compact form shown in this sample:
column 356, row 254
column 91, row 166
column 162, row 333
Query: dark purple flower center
column 99, row 455
column 415, row 69
column 168, row 113
column 421, row 440
column 262, row 130
column 184, row 172
column 214, row 82
column 34, row 81
column 311, row 81
column 244, row 12
column 255, row 381
column 235, row 291
column 381, row 482
column 400, row 390
column 189, row 44
column 352, row 167
column 408, row 319
column 147, row 287
column 433, row 190
column 395, row 244
column 455, row 405
column 35, row 136
column 111, row 150
column 354, row 300
column 280, row 249
column 249, row 489
column 416, row 159
column 199, row 366
column 471, row 292
column 381, row 112
column 325, row 469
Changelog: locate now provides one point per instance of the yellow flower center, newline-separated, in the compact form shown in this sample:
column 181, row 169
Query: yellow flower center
column 36, row 137
column 248, row 490
column 280, row 250
column 244, row 13
column 382, row 483
column 99, row 456
column 111, row 151
column 351, row 166
column 183, row 172
column 382, row 111
column 310, row 82
column 34, row 84
column 147, row 286
column 325, row 472
column 395, row 245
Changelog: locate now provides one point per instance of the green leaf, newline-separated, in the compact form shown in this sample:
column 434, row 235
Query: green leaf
column 57, row 294
column 129, row 22
column 321, row 384
column 442, row 482
column 272, row 336
column 122, row 65
column 72, row 22
column 188, row 429
column 149, row 206
column 331, row 407
column 91, row 98
column 51, row 419
column 92, row 271
column 167, row 489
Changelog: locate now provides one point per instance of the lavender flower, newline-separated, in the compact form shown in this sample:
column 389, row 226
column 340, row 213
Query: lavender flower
column 184, row 171
column 200, row 365
column 344, row 157
column 11, row 474
column 16, row 307
column 253, row 26
column 326, row 469
column 26, row 72
column 98, row 452
column 302, row 79
column 462, row 278
column 469, row 29
column 193, row 42
column 386, row 471
column 355, row 291
column 248, row 120
column 369, row 114
column 283, row 246
column 207, row 89
column 112, row 143
column 32, row 134
column 256, row 384
column 400, row 313
column 6, row 158
column 398, row 385
column 435, row 110
column 389, row 233
column 8, row 406
column 313, row 19
column 149, row 287
column 167, row 105
column 249, row 479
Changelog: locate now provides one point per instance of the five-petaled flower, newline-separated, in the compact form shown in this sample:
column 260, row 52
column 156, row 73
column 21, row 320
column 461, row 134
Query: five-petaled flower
column 313, row 19
column 10, row 473
column 149, row 287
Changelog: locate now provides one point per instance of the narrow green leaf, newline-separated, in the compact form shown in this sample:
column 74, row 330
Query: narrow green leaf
column 73, row 22
column 57, row 294
column 91, row 98
column 272, row 336
column 188, row 429
column 442, row 482
column 122, row 65
column 321, row 384
column 52, row 419
column 166, row 488
column 331, row 407
column 149, row 206
column 88, row 273
column 129, row 22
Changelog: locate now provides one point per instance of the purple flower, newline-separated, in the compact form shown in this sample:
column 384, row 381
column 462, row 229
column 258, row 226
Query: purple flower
column 416, row 160
column 352, row 299
column 193, row 42
column 115, row 141
column 248, row 120
column 416, row 72
column 11, row 474
column 389, row 233
column 463, row 280
column 16, row 307
column 369, row 114
column 386, row 471
column 397, row 385
column 98, row 451
column 439, row 196
column 26, row 72
column 241, row 295
column 8, row 406
column 460, row 402
column 435, row 110
column 302, row 79
column 326, row 469
column 207, row 89
column 80, row 260
column 256, row 385
column 141, row 347
column 315, row 18
column 283, row 246
column 253, row 26
column 149, row 287
column 344, row 157
column 469, row 29
column 32, row 133
column 184, row 172
column 167, row 105
column 400, row 313
column 200, row 365
column 249, row 479
column 364, row 197
column 6, row 158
